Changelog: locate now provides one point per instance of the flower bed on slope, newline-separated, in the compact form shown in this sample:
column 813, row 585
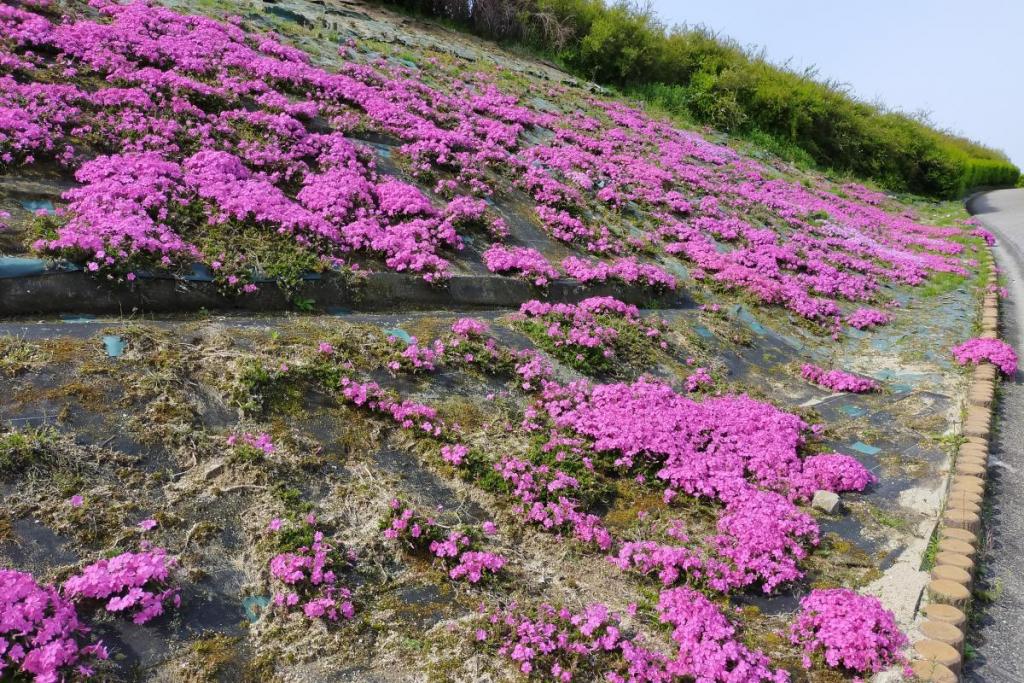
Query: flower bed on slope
column 245, row 155
column 715, row 486
column 627, row 527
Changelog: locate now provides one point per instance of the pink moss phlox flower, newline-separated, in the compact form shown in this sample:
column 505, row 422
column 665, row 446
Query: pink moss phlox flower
column 133, row 582
column 524, row 261
column 40, row 633
column 209, row 127
column 831, row 472
column 561, row 645
column 984, row 234
column 468, row 328
column 456, row 548
column 837, row 380
column 708, row 647
column 866, row 318
column 627, row 270
column 698, row 379
column 995, row 351
column 407, row 414
column 454, row 454
column 311, row 582
column 852, row 632
column 261, row 442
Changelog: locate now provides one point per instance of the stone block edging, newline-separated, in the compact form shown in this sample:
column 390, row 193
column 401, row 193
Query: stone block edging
column 938, row 653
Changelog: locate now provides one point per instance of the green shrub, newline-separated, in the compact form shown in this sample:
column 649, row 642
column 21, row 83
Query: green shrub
column 695, row 75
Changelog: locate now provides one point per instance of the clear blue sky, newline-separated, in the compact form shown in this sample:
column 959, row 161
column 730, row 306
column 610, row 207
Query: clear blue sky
column 963, row 62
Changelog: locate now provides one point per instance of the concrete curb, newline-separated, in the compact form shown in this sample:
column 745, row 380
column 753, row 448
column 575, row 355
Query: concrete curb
column 938, row 653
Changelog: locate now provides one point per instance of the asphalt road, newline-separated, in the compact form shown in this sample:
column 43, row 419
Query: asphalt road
column 998, row 630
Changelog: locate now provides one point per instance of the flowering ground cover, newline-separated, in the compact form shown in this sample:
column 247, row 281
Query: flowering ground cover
column 562, row 490
column 192, row 139
column 490, row 502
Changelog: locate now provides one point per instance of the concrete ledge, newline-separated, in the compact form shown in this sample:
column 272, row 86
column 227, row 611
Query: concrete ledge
column 77, row 292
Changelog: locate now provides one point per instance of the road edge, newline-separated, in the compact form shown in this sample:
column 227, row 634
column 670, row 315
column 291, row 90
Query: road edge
column 939, row 652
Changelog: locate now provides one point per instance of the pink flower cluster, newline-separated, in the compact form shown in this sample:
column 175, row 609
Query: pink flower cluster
column 526, row 262
column 560, row 645
column 530, row 367
column 224, row 114
column 470, row 212
column 850, row 631
column 1003, row 292
column 866, row 318
column 763, row 537
column 310, row 581
column 995, row 351
column 837, row 380
column 624, row 269
column 416, row 357
column 587, row 332
column 456, row 549
column 832, row 472
column 984, row 234
column 407, row 414
column 542, row 490
column 761, row 540
column 468, row 328
column 708, row 647
column 732, row 449
column 40, row 634
column 699, row 378
column 713, row 449
column 212, row 121
column 260, row 442
column 135, row 582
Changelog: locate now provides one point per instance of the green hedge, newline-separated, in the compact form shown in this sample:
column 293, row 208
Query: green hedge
column 699, row 76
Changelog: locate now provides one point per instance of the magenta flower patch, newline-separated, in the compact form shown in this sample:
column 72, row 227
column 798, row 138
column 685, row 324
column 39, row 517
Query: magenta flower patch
column 849, row 631
column 40, row 633
column 837, row 380
column 202, row 136
column 136, row 583
column 455, row 548
column 307, row 579
column 995, row 351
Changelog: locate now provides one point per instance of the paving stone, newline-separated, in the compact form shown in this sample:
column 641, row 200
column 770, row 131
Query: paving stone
column 955, row 560
column 955, row 545
column 948, row 592
column 936, row 651
column 943, row 632
column 961, row 535
column 936, row 611
column 947, row 572
column 930, row 671
column 962, row 519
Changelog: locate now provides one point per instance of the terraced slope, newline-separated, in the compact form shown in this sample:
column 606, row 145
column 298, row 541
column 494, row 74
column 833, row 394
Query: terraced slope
column 566, row 487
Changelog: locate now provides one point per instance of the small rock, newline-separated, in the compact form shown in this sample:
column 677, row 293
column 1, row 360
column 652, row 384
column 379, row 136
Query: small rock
column 826, row 501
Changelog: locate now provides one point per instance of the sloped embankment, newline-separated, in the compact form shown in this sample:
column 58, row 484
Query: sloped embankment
column 559, row 485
